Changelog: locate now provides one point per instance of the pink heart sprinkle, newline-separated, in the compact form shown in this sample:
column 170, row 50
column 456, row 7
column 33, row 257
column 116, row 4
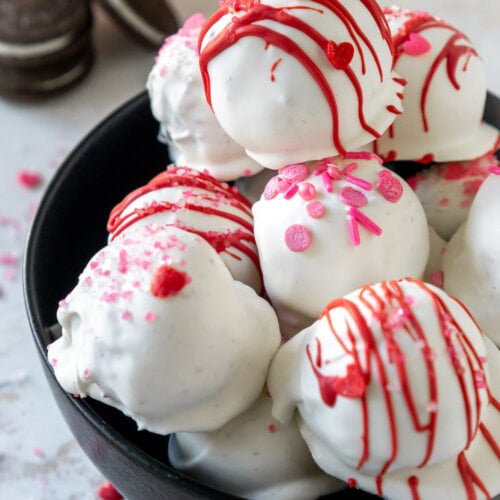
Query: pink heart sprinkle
column 416, row 45
column 298, row 238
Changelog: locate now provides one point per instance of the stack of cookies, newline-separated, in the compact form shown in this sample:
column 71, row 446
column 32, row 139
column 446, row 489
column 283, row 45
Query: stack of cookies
column 46, row 45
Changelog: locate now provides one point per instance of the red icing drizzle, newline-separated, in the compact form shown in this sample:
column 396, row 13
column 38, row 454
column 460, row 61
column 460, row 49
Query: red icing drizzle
column 393, row 310
column 212, row 203
column 242, row 26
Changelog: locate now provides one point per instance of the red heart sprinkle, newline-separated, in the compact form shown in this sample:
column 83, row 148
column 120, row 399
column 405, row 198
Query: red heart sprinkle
column 339, row 55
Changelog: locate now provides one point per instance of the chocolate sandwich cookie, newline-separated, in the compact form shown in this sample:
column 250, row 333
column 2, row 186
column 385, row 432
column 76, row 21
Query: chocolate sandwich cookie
column 45, row 45
column 148, row 21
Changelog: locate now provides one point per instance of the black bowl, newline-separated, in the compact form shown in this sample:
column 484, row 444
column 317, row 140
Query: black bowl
column 119, row 155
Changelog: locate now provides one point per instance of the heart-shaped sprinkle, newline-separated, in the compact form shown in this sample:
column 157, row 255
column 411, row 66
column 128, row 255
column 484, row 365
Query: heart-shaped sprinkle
column 416, row 45
column 339, row 55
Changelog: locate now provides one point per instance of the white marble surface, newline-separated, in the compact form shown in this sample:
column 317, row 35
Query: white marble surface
column 38, row 456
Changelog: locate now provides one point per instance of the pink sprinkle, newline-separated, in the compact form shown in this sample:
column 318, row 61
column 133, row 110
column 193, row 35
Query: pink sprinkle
column 127, row 315
column 8, row 259
column 416, row 45
column 365, row 221
column 363, row 155
column 352, row 197
column 465, row 203
column 88, row 281
column 150, row 317
column 348, row 169
column 86, row 373
column 271, row 190
column 437, row 278
column 110, row 297
column 28, row 179
column 444, row 202
column 307, row 191
column 295, row 173
column 389, row 187
column 327, row 182
column 334, row 172
column 272, row 428
column 480, row 378
column 10, row 275
column 315, row 209
column 38, row 452
column 127, row 294
column 53, row 362
column 298, row 238
column 321, row 169
column 353, row 230
column 432, row 407
column 247, row 173
column 367, row 186
column 290, row 192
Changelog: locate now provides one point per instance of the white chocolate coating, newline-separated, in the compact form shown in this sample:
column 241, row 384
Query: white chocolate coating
column 253, row 456
column 434, row 270
column 188, row 124
column 446, row 191
column 471, row 263
column 299, row 80
column 396, row 390
column 196, row 202
column 445, row 95
column 158, row 328
column 300, row 280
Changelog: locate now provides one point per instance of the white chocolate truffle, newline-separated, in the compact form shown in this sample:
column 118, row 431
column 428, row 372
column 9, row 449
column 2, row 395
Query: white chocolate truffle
column 158, row 328
column 188, row 124
column 446, row 191
column 299, row 80
column 253, row 456
column 198, row 203
column 325, row 230
column 471, row 263
column 397, row 393
column 445, row 95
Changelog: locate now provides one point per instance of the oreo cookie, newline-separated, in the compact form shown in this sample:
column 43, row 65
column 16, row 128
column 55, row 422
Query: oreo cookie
column 149, row 21
column 45, row 45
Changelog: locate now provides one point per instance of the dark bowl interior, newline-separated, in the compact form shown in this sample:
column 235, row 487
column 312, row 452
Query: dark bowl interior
column 119, row 155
